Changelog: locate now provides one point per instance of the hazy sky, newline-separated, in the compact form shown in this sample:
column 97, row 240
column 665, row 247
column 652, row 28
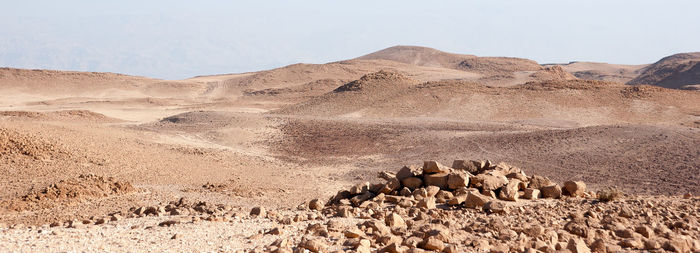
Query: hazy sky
column 178, row 39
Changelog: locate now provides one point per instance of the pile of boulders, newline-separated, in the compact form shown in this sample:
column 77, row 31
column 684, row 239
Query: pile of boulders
column 471, row 184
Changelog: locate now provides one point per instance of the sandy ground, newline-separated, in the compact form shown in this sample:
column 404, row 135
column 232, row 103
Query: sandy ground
column 281, row 137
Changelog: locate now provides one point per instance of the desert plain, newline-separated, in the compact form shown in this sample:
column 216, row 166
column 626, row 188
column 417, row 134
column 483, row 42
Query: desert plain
column 315, row 157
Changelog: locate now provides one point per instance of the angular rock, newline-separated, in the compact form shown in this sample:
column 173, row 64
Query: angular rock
column 476, row 200
column 494, row 206
column 552, row 191
column 437, row 179
column 412, row 183
column 457, row 180
column 531, row 194
column 408, row 171
column 354, row 233
column 574, row 188
column 577, row 245
column 314, row 245
column 431, row 167
column 457, row 200
column 646, row 231
column 316, row 204
column 432, row 243
column 394, row 220
column 510, row 191
column 537, row 182
column 357, row 200
column 427, row 203
column 392, row 185
column 258, row 211
column 468, row 166
column 489, row 182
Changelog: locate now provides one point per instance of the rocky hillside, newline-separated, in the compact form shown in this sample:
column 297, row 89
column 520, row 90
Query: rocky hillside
column 675, row 71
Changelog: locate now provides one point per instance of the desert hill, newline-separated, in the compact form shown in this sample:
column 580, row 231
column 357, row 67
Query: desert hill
column 561, row 101
column 675, row 71
column 602, row 71
column 421, row 56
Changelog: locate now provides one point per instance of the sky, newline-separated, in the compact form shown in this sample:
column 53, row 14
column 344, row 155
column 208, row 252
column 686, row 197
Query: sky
column 173, row 39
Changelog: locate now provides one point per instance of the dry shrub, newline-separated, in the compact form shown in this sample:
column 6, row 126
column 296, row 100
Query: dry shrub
column 610, row 194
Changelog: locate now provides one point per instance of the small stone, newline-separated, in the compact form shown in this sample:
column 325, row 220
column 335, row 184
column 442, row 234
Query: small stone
column 599, row 246
column 390, row 186
column 394, row 220
column 632, row 243
column 354, row 233
column 427, row 203
column 494, row 206
column 275, row 231
column 626, row 212
column 577, row 245
column 534, row 230
column 531, row 193
column 432, row 243
column 394, row 248
column 258, row 211
column 175, row 236
column 100, row 221
column 651, row 244
column 316, row 204
column 646, row 231
column 457, row 200
column 168, row 223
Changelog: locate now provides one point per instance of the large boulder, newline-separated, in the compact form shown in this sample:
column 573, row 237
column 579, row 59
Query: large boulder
column 437, row 179
column 574, row 188
column 475, row 200
column 412, row 183
column 458, row 180
column 489, row 181
column 537, row 182
column 552, row 191
column 468, row 166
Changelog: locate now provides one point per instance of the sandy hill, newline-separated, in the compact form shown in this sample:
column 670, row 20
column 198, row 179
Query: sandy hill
column 421, row 56
column 602, row 71
column 675, row 71
column 76, row 83
column 554, row 102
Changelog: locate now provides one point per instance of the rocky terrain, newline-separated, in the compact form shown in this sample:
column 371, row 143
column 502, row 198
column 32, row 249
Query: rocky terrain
column 310, row 157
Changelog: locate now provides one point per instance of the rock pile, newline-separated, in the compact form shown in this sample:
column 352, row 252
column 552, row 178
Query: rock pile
column 472, row 206
column 479, row 206
column 471, row 184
